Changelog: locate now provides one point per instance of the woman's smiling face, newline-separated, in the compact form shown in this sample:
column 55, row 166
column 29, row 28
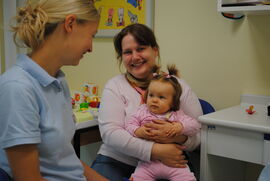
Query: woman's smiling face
column 80, row 42
column 139, row 60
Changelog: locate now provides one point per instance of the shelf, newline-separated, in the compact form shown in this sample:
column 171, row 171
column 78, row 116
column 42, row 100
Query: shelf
column 253, row 9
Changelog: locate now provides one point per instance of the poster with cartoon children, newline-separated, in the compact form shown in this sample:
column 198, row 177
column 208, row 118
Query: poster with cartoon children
column 116, row 14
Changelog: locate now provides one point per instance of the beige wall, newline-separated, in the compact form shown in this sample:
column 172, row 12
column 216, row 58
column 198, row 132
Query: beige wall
column 220, row 58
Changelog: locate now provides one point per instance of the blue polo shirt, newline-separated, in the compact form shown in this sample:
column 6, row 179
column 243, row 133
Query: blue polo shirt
column 35, row 108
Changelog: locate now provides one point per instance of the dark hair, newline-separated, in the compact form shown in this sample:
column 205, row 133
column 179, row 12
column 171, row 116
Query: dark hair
column 142, row 34
column 169, row 77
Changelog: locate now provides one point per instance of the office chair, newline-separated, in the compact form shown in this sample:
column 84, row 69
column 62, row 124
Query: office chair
column 4, row 176
column 206, row 107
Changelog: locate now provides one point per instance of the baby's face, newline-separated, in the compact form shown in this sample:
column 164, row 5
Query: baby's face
column 160, row 97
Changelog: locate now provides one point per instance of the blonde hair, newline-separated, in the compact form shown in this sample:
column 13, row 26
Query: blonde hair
column 37, row 20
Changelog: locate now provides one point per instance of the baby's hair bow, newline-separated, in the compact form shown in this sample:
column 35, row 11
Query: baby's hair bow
column 168, row 76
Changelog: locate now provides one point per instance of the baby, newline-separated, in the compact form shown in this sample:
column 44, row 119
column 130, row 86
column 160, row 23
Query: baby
column 162, row 103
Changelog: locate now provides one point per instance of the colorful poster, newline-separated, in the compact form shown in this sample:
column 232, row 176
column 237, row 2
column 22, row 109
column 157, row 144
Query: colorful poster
column 116, row 14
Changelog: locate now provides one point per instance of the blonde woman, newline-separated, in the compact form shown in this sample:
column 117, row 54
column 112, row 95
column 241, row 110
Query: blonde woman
column 36, row 115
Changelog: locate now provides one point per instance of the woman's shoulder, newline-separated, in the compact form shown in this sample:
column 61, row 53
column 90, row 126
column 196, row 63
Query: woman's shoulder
column 185, row 86
column 182, row 82
column 19, row 90
column 119, row 83
column 14, row 78
column 116, row 81
column 120, row 86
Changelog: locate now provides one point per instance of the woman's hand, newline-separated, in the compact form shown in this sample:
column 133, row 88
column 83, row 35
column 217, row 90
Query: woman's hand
column 162, row 132
column 91, row 174
column 169, row 154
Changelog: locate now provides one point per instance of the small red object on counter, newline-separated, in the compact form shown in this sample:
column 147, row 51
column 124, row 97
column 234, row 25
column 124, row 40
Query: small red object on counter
column 250, row 110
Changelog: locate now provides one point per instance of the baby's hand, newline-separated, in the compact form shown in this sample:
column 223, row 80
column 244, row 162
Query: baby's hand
column 143, row 132
column 174, row 129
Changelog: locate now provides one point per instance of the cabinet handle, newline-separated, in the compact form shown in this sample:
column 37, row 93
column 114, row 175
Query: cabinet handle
column 267, row 137
column 211, row 127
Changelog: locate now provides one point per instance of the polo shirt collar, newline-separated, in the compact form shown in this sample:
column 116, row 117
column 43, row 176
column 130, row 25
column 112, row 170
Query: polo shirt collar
column 30, row 66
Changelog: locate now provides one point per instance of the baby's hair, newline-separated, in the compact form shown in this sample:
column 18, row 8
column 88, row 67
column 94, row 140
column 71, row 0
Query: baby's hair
column 36, row 21
column 169, row 77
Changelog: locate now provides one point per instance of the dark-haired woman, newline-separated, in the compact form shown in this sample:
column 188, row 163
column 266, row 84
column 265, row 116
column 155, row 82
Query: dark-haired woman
column 138, row 51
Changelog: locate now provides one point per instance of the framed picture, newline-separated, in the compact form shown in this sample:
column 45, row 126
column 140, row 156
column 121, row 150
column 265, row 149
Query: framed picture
column 117, row 14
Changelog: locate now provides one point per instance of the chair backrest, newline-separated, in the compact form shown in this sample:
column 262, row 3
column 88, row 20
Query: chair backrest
column 206, row 107
column 4, row 176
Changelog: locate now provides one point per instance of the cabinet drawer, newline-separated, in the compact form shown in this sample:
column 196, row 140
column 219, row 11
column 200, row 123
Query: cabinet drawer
column 235, row 143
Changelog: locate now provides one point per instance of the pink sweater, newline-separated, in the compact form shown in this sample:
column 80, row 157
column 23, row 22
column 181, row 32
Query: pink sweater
column 190, row 125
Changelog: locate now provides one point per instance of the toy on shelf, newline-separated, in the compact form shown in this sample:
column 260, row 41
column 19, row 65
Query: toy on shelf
column 250, row 110
column 94, row 101
column 87, row 98
column 85, row 103
column 78, row 97
column 81, row 116
column 73, row 103
column 90, row 89
column 84, row 106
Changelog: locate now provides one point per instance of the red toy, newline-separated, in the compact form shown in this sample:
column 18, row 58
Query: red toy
column 250, row 110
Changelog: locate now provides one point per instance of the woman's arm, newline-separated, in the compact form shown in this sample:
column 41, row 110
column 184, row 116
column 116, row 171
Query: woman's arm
column 116, row 105
column 190, row 104
column 92, row 175
column 169, row 154
column 189, row 101
column 24, row 163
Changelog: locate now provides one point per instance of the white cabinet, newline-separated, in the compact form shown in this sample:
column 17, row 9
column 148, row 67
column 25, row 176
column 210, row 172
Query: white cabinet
column 236, row 144
column 242, row 8
column 226, row 151
column 231, row 138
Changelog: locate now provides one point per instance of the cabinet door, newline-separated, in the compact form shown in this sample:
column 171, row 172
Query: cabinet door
column 236, row 144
